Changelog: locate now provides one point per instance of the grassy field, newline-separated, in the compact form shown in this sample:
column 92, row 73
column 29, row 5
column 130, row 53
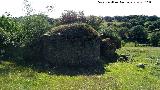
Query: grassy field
column 120, row 75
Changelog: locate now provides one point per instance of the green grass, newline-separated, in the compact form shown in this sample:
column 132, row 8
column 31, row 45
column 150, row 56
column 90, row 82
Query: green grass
column 117, row 76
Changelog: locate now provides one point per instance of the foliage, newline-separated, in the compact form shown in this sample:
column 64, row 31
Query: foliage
column 3, row 38
column 33, row 27
column 152, row 18
column 123, row 33
column 154, row 26
column 77, row 26
column 138, row 33
column 71, row 16
column 126, row 25
column 110, row 41
column 115, row 40
column 108, row 18
column 9, row 35
column 94, row 21
column 155, row 39
column 19, row 32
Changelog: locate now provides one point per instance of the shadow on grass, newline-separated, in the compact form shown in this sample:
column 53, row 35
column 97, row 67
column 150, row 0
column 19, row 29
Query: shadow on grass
column 50, row 69
column 67, row 70
column 96, row 69
column 4, row 71
column 73, row 71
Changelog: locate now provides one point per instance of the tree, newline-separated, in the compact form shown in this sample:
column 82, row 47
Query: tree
column 9, row 33
column 108, row 18
column 152, row 18
column 155, row 39
column 126, row 24
column 33, row 27
column 70, row 16
column 11, row 28
column 138, row 33
column 151, row 28
column 147, row 23
column 154, row 26
column 134, row 22
column 94, row 21
column 123, row 33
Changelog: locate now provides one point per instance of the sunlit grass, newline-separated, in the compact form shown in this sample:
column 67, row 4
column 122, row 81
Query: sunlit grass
column 118, row 76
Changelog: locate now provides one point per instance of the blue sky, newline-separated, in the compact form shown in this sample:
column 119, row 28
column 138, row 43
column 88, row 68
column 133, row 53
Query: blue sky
column 90, row 7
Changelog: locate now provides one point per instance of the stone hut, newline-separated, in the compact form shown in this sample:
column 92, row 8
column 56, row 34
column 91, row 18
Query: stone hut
column 73, row 44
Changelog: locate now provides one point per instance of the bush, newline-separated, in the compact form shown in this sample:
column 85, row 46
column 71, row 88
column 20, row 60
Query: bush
column 33, row 27
column 70, row 16
column 110, row 41
column 155, row 39
column 123, row 33
column 94, row 21
column 2, row 42
column 138, row 33
column 9, row 30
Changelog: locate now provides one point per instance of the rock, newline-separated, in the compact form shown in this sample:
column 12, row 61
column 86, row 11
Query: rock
column 158, row 62
column 123, row 58
column 141, row 65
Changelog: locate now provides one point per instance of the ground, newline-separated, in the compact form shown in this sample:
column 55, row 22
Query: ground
column 120, row 75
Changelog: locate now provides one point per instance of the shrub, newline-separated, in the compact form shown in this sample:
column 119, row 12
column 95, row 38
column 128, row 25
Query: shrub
column 18, row 33
column 138, row 33
column 110, row 41
column 123, row 33
column 94, row 21
column 2, row 42
column 155, row 39
column 9, row 30
column 33, row 27
column 71, row 16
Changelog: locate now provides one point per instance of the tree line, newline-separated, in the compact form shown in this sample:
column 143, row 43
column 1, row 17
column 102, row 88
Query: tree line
column 18, row 32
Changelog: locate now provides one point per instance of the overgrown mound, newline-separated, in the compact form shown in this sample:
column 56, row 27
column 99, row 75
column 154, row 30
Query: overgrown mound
column 72, row 44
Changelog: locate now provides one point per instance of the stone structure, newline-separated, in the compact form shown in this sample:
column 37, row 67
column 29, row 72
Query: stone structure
column 73, row 44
